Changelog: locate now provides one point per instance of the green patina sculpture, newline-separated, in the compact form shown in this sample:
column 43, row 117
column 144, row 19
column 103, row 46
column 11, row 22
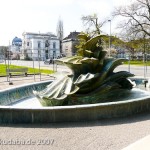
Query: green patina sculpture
column 92, row 79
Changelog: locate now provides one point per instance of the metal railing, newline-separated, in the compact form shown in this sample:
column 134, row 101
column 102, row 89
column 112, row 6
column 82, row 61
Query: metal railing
column 43, row 62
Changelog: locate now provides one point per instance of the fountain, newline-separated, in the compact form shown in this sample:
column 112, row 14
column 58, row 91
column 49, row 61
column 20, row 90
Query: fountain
column 93, row 91
column 92, row 77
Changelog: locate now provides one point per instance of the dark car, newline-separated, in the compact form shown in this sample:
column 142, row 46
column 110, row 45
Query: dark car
column 48, row 61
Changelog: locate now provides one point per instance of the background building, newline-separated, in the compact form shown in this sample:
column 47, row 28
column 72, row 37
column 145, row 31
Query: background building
column 15, row 48
column 69, row 43
column 16, row 44
column 40, row 46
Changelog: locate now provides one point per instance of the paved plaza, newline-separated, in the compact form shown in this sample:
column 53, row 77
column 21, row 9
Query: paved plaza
column 110, row 134
column 107, row 134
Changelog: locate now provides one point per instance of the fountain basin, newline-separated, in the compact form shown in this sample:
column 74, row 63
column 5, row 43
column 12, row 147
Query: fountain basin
column 13, row 112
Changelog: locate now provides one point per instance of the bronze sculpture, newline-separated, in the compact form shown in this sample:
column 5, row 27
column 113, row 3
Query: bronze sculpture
column 92, row 78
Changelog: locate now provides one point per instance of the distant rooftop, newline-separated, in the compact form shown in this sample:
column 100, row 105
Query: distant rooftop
column 40, row 34
column 16, row 41
column 72, row 36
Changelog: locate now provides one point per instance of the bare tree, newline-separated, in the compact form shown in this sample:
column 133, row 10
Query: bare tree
column 3, row 49
column 137, row 18
column 92, row 25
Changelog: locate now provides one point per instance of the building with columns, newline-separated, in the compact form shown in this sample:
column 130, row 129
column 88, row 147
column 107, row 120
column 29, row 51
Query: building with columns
column 40, row 46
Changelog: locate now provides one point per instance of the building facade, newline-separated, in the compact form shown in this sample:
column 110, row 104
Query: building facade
column 40, row 46
column 16, row 45
column 15, row 48
column 69, row 44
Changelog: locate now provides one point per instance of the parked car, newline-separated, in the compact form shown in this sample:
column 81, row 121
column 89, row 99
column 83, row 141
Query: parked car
column 48, row 61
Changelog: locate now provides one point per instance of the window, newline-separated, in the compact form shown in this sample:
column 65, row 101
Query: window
column 54, row 45
column 28, row 43
column 46, row 43
column 39, row 44
column 66, row 47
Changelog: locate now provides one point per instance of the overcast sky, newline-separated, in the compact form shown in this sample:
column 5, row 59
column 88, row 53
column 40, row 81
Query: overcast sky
column 42, row 16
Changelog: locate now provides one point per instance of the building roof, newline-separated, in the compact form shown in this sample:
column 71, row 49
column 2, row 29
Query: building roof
column 72, row 36
column 40, row 34
column 16, row 41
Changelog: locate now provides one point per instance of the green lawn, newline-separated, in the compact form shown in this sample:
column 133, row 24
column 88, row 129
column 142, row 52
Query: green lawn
column 30, row 70
column 46, row 71
column 138, row 63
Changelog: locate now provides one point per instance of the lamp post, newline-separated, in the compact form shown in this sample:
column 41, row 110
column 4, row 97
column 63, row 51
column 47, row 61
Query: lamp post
column 109, row 39
column 145, row 57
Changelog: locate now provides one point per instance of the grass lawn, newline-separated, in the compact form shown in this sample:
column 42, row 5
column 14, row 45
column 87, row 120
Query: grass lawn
column 138, row 63
column 30, row 70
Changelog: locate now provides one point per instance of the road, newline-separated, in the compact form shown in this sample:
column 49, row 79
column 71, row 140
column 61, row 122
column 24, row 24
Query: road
column 136, row 70
column 39, row 64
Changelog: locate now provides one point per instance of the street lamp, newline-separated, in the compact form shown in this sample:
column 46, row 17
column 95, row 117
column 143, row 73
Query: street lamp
column 109, row 38
column 144, row 58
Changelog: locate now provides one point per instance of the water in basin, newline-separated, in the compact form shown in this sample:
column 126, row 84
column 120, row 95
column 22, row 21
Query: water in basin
column 135, row 93
column 32, row 102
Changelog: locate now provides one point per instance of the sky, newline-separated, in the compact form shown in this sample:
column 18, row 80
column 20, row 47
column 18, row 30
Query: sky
column 18, row 16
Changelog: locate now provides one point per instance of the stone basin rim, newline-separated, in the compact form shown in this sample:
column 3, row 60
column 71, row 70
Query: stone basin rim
column 25, row 85
column 79, row 106
column 69, row 106
column 73, row 113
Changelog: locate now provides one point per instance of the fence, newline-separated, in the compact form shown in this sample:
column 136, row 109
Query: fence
column 38, row 70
